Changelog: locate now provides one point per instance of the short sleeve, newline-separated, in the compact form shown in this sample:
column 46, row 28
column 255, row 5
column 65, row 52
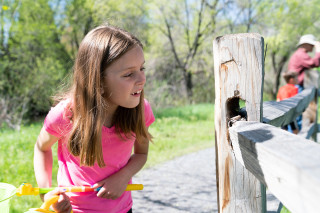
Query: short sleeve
column 57, row 122
column 148, row 114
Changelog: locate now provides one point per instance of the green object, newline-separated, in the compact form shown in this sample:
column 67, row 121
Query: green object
column 45, row 190
column 284, row 210
column 7, row 191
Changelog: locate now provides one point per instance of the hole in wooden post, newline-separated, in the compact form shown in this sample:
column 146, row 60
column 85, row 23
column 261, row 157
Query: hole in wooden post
column 236, row 110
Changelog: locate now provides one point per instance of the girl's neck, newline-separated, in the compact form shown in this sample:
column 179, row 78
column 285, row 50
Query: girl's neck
column 108, row 122
column 109, row 117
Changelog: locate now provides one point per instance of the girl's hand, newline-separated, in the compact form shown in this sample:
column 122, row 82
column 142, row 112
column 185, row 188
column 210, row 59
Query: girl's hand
column 112, row 187
column 115, row 185
column 63, row 205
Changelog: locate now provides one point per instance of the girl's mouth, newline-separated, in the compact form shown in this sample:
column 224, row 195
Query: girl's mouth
column 137, row 93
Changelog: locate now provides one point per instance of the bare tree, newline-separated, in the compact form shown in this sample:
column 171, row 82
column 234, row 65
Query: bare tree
column 12, row 111
column 193, row 36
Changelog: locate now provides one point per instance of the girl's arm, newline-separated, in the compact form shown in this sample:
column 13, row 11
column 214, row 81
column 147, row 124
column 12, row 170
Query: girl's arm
column 43, row 159
column 114, row 186
column 43, row 170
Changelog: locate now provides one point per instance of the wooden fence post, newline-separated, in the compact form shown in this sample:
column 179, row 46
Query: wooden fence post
column 310, row 115
column 239, row 73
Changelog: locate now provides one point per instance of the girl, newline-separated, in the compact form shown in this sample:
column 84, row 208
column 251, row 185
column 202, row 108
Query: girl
column 97, row 123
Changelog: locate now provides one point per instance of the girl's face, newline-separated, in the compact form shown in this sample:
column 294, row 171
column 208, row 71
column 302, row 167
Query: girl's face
column 125, row 79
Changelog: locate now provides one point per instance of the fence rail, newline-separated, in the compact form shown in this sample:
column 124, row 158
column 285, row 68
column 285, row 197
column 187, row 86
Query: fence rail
column 283, row 112
column 251, row 152
column 287, row 164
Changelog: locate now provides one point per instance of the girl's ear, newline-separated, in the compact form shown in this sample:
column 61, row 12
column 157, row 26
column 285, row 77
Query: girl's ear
column 101, row 90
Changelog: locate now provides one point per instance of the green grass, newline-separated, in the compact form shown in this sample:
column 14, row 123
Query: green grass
column 16, row 165
column 181, row 130
column 284, row 210
column 176, row 131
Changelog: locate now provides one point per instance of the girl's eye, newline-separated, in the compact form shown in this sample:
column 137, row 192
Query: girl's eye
column 128, row 75
column 132, row 73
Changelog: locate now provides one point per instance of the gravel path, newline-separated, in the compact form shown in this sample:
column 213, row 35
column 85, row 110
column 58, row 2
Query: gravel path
column 185, row 184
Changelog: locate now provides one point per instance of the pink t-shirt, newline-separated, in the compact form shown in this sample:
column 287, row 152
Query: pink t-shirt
column 116, row 153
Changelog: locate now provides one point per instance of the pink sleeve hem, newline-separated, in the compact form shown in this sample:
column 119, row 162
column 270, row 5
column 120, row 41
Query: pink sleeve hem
column 150, row 122
column 148, row 113
column 50, row 131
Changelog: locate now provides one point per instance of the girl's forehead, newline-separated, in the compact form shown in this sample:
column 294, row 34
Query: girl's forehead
column 134, row 58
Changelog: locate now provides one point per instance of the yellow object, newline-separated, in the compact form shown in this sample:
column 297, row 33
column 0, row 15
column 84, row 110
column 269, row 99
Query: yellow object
column 45, row 208
column 5, row 7
column 131, row 187
column 27, row 189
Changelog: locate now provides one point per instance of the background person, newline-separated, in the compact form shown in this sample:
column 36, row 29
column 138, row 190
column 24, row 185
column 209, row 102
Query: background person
column 287, row 91
column 301, row 61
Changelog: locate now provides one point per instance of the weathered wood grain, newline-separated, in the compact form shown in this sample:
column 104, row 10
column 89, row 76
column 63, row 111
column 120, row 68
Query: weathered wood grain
column 310, row 115
column 283, row 112
column 239, row 72
column 311, row 130
column 288, row 164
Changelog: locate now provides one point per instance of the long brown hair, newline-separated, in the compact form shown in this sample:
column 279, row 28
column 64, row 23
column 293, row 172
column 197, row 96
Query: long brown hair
column 100, row 47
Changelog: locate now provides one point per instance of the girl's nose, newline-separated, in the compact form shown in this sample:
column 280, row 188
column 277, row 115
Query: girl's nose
column 141, row 80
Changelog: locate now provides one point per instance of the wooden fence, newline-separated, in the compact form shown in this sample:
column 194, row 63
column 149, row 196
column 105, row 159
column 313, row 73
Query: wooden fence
column 252, row 152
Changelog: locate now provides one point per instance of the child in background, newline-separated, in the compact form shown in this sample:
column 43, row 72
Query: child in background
column 287, row 91
column 97, row 123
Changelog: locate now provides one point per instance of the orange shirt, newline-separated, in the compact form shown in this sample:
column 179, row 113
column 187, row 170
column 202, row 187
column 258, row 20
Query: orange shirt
column 287, row 91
